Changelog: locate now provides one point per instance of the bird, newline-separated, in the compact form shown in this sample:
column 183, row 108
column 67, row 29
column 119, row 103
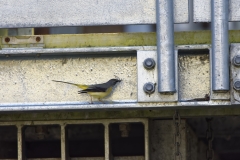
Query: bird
column 98, row 91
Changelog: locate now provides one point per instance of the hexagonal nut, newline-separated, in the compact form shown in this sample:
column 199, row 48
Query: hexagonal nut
column 236, row 85
column 149, row 63
column 149, row 88
column 236, row 60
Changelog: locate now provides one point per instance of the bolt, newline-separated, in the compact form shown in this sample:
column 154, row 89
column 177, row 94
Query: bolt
column 149, row 63
column 236, row 60
column 149, row 88
column 7, row 39
column 38, row 39
column 236, row 85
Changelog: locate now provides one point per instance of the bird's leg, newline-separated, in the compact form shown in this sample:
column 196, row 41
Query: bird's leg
column 91, row 100
column 101, row 100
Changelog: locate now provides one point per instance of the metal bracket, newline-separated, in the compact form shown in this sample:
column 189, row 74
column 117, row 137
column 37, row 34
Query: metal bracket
column 149, row 76
column 20, row 42
column 235, row 73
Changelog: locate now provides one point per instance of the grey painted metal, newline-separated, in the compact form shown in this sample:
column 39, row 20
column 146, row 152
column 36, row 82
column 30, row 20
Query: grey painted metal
column 216, row 95
column 145, row 76
column 123, row 102
column 149, row 63
column 235, row 73
column 81, row 13
column 149, row 88
column 202, row 10
column 236, row 60
column 220, row 46
column 96, row 50
column 99, row 106
column 236, row 85
column 165, row 46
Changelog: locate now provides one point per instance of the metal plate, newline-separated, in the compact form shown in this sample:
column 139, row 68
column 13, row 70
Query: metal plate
column 51, row 13
column 202, row 10
column 145, row 76
column 235, row 73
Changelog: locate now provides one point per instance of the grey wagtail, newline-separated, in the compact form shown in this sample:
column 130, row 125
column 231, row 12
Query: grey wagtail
column 98, row 91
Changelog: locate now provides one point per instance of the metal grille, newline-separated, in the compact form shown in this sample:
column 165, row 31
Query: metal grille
column 40, row 130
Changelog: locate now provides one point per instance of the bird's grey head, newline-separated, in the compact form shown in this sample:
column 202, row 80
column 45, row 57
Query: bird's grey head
column 114, row 81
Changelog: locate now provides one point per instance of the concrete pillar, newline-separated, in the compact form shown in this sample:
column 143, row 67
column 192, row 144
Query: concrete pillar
column 162, row 145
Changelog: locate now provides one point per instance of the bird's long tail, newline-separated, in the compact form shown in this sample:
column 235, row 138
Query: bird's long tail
column 82, row 86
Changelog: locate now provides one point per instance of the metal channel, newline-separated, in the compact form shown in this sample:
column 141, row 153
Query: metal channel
column 220, row 46
column 115, row 104
column 202, row 10
column 165, row 46
column 80, row 13
column 64, row 153
column 58, row 51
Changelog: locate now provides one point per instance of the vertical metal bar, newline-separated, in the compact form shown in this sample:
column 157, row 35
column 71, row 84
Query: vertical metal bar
column 20, row 137
column 165, row 46
column 64, row 141
column 146, row 139
column 220, row 46
column 106, row 141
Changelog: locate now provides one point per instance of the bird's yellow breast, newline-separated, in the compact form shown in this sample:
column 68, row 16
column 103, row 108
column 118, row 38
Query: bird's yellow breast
column 100, row 95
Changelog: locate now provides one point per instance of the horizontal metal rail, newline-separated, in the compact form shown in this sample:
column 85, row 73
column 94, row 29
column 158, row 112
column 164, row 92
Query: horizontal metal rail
column 98, row 106
column 114, row 104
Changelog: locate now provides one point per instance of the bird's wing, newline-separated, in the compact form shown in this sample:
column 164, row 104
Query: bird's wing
column 95, row 88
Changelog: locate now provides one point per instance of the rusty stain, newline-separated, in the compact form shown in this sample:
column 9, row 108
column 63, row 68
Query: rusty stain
column 38, row 39
column 7, row 39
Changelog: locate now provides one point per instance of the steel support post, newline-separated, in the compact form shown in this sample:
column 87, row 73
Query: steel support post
column 220, row 46
column 165, row 46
